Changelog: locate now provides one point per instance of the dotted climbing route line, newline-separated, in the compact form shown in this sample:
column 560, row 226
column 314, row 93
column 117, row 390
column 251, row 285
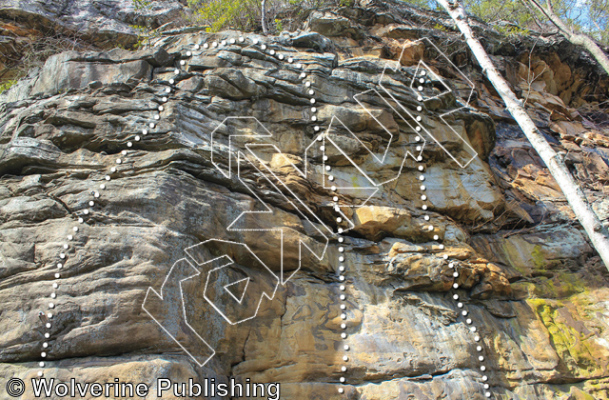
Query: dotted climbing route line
column 341, row 272
column 430, row 228
column 452, row 264
column 94, row 196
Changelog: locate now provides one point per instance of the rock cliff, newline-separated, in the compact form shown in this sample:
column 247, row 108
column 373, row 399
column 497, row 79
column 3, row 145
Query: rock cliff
column 411, row 243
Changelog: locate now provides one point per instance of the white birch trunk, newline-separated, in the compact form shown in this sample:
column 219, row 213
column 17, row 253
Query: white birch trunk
column 575, row 196
column 578, row 39
column 263, row 18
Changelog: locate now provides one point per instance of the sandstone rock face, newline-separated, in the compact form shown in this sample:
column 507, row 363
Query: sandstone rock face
column 121, row 191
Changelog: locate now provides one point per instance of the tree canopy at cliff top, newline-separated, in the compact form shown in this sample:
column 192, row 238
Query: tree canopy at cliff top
column 518, row 16
column 509, row 16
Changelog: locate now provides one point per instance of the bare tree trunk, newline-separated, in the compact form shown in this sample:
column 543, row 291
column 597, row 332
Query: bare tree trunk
column 575, row 196
column 578, row 39
column 263, row 18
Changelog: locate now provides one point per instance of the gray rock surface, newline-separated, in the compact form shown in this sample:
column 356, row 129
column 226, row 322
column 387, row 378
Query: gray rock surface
column 108, row 23
column 530, row 282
